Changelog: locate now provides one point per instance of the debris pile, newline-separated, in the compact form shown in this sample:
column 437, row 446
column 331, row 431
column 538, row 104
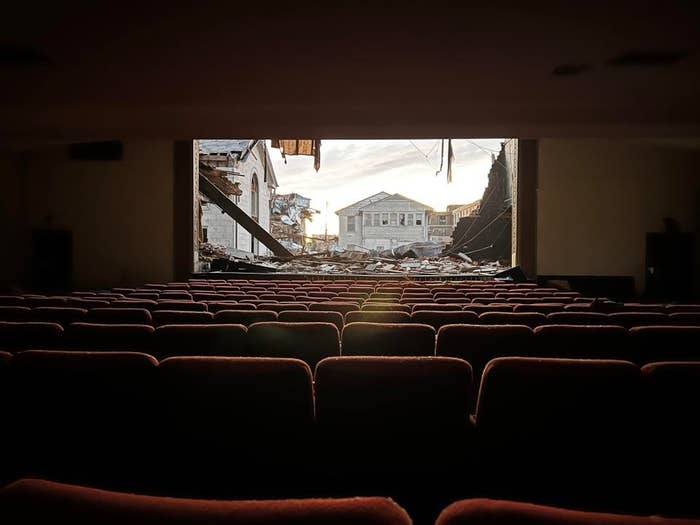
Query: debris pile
column 288, row 220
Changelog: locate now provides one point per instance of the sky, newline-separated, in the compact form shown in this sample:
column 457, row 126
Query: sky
column 354, row 169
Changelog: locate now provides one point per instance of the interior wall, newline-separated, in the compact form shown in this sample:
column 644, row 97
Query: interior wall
column 120, row 212
column 597, row 199
column 14, row 243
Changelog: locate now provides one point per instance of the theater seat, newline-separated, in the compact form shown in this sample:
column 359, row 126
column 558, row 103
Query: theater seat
column 632, row 319
column 238, row 422
column 334, row 306
column 436, row 319
column 229, row 305
column 377, row 317
column 181, row 306
column 664, row 343
column 94, row 336
column 385, row 307
column 57, row 314
column 82, row 416
column 395, row 425
column 289, row 316
column 495, row 512
column 282, row 307
column 309, row 342
column 479, row 344
column 200, row 340
column 15, row 313
column 388, row 339
column 163, row 317
column 673, row 397
column 119, row 316
column 38, row 501
column 244, row 317
column 393, row 395
column 571, row 420
column 578, row 318
column 581, row 342
column 531, row 319
column 27, row 335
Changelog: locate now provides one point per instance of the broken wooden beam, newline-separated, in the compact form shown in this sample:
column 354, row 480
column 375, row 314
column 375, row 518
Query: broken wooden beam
column 232, row 210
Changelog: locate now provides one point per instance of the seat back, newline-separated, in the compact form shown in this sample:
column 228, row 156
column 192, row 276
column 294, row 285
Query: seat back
column 377, row 317
column 244, row 317
column 581, row 342
column 320, row 316
column 388, row 339
column 94, row 336
column 38, row 501
column 200, row 340
column 309, row 342
column 27, row 335
column 664, row 343
column 436, row 319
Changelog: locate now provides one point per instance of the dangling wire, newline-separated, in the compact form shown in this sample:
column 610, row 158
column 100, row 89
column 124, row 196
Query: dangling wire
column 442, row 157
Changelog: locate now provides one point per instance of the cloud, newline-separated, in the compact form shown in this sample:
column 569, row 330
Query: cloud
column 354, row 169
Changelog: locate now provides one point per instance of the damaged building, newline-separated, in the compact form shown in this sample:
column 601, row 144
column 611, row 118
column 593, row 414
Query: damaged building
column 243, row 171
column 288, row 220
column 484, row 228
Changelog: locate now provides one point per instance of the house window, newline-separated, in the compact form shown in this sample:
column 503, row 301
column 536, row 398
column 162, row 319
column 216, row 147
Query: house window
column 351, row 224
column 409, row 219
column 205, row 236
column 376, row 219
column 442, row 219
column 392, row 220
column 419, row 219
column 385, row 219
column 368, row 219
column 402, row 219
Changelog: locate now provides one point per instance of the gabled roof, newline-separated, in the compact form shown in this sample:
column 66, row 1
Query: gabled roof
column 364, row 202
column 397, row 196
column 224, row 145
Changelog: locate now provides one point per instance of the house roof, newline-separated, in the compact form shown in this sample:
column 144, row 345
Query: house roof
column 224, row 145
column 397, row 196
column 364, row 202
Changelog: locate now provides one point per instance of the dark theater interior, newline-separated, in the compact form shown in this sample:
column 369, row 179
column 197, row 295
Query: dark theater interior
column 135, row 388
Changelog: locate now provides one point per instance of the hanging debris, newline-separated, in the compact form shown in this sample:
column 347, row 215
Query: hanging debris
column 310, row 147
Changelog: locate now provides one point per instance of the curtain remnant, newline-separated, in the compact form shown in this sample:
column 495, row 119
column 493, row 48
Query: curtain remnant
column 311, row 147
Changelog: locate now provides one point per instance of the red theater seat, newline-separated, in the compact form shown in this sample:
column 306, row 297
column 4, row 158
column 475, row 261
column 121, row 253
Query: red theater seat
column 81, row 415
column 309, row 342
column 282, row 307
column 578, row 318
column 27, row 335
column 438, row 319
column 37, row 501
column 479, row 344
column 385, row 307
column 239, row 421
column 57, row 314
column 181, row 306
column 302, row 316
column 377, row 317
column 200, row 340
column 632, row 319
column 217, row 306
column 162, row 317
column 94, row 336
column 495, row 512
column 119, row 316
column 15, row 313
column 543, row 308
column 581, row 342
column 531, row 319
column 664, row 343
column 334, row 306
column 388, row 339
column 244, row 317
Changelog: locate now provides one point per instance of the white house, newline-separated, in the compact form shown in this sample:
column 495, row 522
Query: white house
column 381, row 222
column 246, row 164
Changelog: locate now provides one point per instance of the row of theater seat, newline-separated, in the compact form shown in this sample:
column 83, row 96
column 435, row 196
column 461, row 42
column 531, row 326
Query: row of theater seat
column 248, row 427
column 339, row 314
column 40, row 501
column 313, row 341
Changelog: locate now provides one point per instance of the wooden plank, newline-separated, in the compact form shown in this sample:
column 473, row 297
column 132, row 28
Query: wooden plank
column 232, row 210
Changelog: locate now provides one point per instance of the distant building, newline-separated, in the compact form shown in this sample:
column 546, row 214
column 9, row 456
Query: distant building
column 245, row 167
column 290, row 213
column 381, row 222
column 466, row 210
